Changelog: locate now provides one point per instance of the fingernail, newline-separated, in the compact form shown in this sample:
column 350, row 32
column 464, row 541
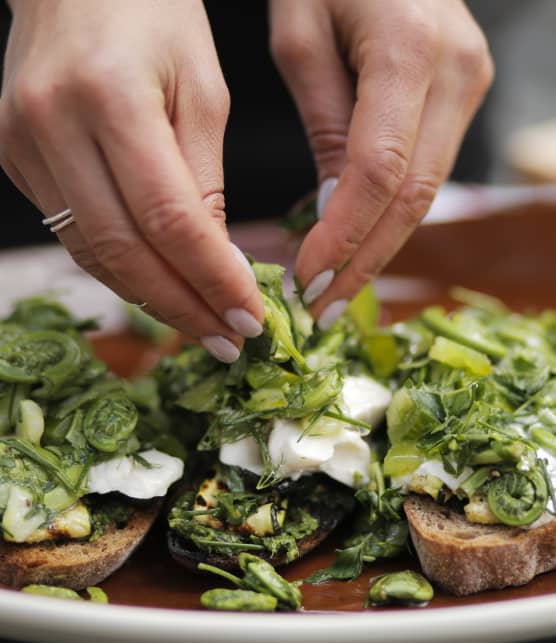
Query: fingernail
column 319, row 284
column 325, row 192
column 243, row 322
column 221, row 348
column 243, row 260
column 331, row 313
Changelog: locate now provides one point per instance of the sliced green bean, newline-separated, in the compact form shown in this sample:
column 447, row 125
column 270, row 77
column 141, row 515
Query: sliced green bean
column 437, row 320
column 476, row 480
column 544, row 438
column 30, row 424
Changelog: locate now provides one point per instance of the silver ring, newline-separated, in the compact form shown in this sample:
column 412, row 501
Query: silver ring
column 59, row 221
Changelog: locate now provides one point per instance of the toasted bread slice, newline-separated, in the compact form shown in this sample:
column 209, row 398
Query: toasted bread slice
column 75, row 564
column 187, row 555
column 465, row 558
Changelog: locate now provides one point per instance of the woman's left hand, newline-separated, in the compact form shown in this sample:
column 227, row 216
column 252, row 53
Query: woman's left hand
column 386, row 90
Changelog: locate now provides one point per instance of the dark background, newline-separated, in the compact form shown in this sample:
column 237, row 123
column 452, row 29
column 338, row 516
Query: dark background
column 267, row 161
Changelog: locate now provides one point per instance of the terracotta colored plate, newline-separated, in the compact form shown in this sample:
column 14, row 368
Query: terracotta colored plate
column 511, row 255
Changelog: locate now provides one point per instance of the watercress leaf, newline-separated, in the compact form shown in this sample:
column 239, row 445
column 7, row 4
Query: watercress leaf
column 347, row 566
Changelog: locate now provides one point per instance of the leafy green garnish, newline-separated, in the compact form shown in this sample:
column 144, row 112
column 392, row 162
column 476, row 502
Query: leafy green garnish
column 380, row 531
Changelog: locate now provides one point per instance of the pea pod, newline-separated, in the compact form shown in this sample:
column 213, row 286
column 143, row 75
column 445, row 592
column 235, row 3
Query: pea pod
column 401, row 588
column 96, row 594
column 262, row 577
column 518, row 499
column 45, row 356
column 108, row 421
column 52, row 591
column 238, row 600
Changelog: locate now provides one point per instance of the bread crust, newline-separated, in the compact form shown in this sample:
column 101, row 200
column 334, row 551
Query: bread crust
column 465, row 558
column 186, row 554
column 182, row 553
column 75, row 564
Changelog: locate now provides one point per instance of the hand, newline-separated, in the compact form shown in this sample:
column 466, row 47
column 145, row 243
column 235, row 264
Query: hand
column 118, row 111
column 386, row 90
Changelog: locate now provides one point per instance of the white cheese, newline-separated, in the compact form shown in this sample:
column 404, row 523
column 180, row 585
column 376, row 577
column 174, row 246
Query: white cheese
column 341, row 453
column 432, row 468
column 331, row 446
column 350, row 461
column 550, row 460
column 244, row 453
column 129, row 477
column 435, row 468
column 365, row 398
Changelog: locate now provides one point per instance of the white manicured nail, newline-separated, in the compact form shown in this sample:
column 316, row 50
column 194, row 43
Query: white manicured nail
column 331, row 313
column 319, row 284
column 325, row 192
column 243, row 322
column 221, row 348
column 243, row 260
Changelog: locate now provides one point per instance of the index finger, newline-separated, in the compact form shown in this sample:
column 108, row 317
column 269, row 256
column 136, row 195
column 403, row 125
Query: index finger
column 163, row 197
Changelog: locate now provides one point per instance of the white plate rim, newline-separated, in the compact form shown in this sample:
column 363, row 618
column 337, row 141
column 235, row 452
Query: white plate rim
column 47, row 620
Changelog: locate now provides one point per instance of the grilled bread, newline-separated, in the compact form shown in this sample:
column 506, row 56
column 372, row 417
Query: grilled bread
column 464, row 558
column 75, row 564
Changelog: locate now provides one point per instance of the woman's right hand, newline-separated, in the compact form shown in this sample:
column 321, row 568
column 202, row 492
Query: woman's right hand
column 117, row 111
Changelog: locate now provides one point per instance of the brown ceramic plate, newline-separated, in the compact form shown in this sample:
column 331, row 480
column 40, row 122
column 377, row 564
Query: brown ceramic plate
column 510, row 255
